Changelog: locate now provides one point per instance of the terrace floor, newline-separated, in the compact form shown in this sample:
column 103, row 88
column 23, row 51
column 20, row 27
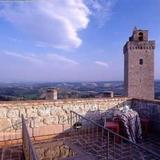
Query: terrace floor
column 94, row 147
column 152, row 142
column 97, row 147
column 86, row 147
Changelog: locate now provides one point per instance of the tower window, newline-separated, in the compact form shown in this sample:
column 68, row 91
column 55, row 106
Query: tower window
column 141, row 61
column 140, row 36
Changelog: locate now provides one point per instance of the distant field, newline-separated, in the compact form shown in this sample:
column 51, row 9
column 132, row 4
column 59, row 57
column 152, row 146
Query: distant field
column 31, row 91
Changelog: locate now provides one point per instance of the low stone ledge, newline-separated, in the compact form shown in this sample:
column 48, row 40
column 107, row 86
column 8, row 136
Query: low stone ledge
column 37, row 102
column 155, row 101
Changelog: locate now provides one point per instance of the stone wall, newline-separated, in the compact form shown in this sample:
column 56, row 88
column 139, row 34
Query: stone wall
column 139, row 66
column 150, row 110
column 49, row 117
column 53, row 150
column 52, row 117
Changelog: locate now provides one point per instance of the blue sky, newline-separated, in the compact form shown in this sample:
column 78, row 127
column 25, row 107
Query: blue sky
column 72, row 40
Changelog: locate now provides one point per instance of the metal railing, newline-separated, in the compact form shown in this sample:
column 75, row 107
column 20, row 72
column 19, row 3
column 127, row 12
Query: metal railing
column 103, row 143
column 28, row 148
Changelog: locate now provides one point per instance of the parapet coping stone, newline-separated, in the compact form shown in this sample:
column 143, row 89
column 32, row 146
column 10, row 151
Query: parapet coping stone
column 64, row 100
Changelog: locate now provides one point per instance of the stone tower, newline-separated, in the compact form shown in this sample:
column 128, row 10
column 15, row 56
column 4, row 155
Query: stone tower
column 139, row 66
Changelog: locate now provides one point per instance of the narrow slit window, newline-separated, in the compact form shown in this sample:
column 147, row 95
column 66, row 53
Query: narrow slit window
column 140, row 36
column 141, row 61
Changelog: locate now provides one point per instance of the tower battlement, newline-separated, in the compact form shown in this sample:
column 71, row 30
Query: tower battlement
column 139, row 45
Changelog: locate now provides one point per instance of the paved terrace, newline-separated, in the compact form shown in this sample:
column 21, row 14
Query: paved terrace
column 96, row 147
column 84, row 146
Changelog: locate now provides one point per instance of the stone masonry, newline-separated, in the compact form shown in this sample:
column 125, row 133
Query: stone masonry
column 150, row 110
column 139, row 66
column 49, row 117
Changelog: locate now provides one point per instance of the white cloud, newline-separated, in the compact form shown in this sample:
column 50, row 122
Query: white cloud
column 103, row 64
column 37, row 67
column 53, row 57
column 16, row 66
column 101, row 10
column 30, row 58
column 42, row 59
column 54, row 22
column 47, row 45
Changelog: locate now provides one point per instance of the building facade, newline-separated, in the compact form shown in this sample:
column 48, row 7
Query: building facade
column 139, row 65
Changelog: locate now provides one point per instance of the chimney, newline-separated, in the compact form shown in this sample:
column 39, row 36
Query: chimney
column 112, row 94
column 51, row 94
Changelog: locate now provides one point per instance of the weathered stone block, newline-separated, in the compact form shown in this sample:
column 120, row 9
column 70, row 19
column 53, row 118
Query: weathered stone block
column 79, row 108
column 56, row 111
column 44, row 111
column 62, row 119
column 31, row 112
column 3, row 112
column 40, row 153
column 67, row 108
column 16, row 123
column 13, row 113
column 50, row 120
column 37, row 122
column 4, row 123
column 23, row 111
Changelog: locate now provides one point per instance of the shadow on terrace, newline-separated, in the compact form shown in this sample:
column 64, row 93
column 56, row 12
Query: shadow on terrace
column 87, row 139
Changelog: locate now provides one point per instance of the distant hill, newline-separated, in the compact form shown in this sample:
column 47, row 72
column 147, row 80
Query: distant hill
column 33, row 91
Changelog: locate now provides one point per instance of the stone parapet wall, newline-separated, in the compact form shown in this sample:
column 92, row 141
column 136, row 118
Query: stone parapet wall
column 51, row 113
column 53, row 117
column 148, row 109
